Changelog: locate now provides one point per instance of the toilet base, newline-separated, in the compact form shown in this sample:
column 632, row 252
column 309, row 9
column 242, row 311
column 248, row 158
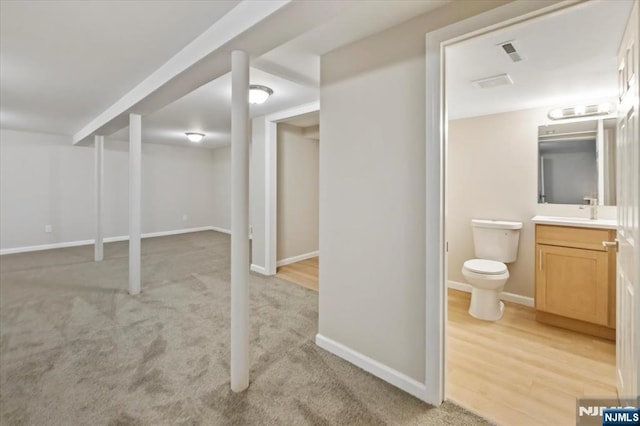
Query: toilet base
column 486, row 304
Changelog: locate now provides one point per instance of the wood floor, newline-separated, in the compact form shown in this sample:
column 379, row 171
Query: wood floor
column 304, row 273
column 515, row 371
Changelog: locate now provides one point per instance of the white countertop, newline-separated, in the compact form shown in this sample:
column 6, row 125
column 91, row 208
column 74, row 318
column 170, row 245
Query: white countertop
column 576, row 221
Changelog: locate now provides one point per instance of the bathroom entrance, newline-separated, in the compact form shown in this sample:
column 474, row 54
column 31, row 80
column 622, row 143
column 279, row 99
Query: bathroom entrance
column 502, row 361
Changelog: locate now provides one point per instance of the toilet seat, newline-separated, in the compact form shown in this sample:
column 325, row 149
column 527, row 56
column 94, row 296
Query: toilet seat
column 485, row 266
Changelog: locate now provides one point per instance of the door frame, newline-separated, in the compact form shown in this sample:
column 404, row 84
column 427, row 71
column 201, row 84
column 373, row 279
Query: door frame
column 271, row 180
column 628, row 101
column 436, row 151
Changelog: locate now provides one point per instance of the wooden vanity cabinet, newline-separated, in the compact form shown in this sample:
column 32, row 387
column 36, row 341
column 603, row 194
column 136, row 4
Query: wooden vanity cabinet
column 575, row 279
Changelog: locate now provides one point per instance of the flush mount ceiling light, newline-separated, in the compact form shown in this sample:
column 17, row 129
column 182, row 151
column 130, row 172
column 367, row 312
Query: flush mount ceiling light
column 195, row 137
column 259, row 94
column 580, row 111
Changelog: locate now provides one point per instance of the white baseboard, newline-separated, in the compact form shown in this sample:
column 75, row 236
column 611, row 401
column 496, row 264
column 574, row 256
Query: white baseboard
column 298, row 258
column 394, row 377
column 509, row 297
column 218, row 229
column 110, row 239
column 45, row 247
column 259, row 269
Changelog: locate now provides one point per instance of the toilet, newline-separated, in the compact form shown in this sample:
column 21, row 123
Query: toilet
column 495, row 243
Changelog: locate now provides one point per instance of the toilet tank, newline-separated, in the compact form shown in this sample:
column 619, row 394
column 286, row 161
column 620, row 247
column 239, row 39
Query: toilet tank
column 496, row 239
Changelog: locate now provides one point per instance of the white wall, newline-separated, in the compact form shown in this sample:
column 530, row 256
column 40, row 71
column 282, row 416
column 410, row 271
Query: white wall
column 372, row 192
column 257, row 180
column 220, row 187
column 492, row 174
column 44, row 180
column 297, row 203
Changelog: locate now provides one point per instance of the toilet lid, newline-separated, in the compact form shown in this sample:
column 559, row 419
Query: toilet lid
column 484, row 266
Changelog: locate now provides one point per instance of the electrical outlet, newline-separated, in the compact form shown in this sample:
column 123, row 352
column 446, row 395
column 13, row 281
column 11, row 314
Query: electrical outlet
column 48, row 228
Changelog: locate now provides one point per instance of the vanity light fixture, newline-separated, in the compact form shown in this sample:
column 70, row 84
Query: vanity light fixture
column 555, row 114
column 195, row 137
column 258, row 94
column 604, row 108
column 579, row 111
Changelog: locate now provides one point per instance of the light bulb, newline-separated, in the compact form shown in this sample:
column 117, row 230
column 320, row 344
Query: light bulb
column 555, row 113
column 259, row 94
column 195, row 137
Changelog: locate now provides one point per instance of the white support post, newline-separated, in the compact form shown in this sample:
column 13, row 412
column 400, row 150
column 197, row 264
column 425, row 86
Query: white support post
column 135, row 166
column 239, row 221
column 98, row 252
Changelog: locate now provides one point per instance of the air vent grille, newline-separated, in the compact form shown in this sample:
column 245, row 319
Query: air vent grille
column 510, row 49
column 493, row 81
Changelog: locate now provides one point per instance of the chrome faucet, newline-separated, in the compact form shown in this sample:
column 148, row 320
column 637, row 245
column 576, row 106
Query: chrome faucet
column 593, row 207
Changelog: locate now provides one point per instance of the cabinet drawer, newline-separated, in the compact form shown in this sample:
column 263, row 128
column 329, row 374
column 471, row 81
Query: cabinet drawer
column 566, row 236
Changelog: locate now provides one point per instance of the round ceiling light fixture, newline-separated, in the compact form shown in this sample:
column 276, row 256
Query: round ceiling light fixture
column 195, row 137
column 258, row 94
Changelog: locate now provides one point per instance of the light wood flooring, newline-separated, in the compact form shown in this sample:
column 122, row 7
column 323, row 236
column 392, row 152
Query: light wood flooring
column 304, row 273
column 517, row 371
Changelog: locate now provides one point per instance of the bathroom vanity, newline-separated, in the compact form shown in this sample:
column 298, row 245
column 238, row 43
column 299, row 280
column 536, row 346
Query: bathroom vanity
column 575, row 279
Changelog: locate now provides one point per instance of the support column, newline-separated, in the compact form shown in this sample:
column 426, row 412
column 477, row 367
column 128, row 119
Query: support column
column 135, row 166
column 98, row 252
column 239, row 221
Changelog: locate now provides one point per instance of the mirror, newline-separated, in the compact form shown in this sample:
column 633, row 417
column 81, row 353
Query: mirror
column 577, row 161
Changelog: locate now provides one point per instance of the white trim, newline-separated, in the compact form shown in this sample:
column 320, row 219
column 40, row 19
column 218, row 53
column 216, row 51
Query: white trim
column 506, row 296
column 47, row 246
column 372, row 366
column 435, row 129
column 117, row 238
column 67, row 244
column 298, row 258
column 270, row 179
column 218, row 229
column 258, row 269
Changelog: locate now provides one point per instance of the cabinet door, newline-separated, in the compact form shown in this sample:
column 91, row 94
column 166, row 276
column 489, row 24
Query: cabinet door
column 573, row 283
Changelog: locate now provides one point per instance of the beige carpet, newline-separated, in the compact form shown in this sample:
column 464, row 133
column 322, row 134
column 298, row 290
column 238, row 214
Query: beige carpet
column 76, row 349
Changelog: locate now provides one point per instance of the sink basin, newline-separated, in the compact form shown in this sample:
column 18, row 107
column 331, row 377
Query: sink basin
column 576, row 221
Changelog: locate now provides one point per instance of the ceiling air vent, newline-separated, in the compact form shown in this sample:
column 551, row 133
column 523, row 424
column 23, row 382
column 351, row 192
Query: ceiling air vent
column 494, row 81
column 510, row 49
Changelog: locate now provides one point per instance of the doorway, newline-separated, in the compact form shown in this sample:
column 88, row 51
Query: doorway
column 490, row 363
column 297, row 254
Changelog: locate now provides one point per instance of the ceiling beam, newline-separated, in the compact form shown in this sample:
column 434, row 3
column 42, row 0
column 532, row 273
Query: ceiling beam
column 281, row 71
column 255, row 27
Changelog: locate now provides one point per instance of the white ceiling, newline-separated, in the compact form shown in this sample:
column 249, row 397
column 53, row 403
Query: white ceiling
column 299, row 59
column 291, row 70
column 64, row 62
column 208, row 110
column 304, row 120
column 570, row 58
